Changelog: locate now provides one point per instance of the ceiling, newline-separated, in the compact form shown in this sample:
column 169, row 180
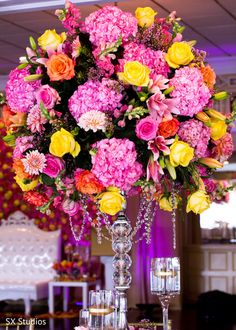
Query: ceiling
column 211, row 22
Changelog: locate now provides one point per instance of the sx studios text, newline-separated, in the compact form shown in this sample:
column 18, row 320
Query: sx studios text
column 22, row 321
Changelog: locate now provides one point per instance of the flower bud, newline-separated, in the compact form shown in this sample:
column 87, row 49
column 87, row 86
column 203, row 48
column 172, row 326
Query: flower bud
column 32, row 43
column 220, row 96
column 202, row 116
column 22, row 65
column 210, row 162
column 33, row 77
column 216, row 114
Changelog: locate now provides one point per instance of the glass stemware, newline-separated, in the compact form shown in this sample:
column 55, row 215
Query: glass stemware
column 165, row 282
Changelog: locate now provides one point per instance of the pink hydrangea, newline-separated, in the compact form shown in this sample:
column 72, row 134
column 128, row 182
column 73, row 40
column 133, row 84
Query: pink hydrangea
column 114, row 163
column 223, row 148
column 210, row 185
column 191, row 90
column 21, row 145
column 106, row 25
column 20, row 94
column 154, row 59
column 102, row 96
column 196, row 134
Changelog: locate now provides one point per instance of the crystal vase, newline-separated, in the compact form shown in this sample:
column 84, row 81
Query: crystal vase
column 121, row 245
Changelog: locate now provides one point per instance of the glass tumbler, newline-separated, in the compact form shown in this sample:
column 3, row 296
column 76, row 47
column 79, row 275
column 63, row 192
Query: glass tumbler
column 101, row 310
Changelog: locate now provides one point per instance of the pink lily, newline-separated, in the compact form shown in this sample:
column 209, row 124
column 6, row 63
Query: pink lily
column 160, row 107
column 159, row 144
column 157, row 83
column 154, row 170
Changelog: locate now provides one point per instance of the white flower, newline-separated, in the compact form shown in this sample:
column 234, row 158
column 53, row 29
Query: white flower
column 34, row 162
column 94, row 120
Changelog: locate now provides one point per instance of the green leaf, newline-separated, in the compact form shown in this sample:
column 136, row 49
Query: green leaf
column 47, row 179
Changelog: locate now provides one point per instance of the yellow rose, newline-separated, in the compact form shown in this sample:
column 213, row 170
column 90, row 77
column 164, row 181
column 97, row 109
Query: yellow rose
column 26, row 186
column 50, row 39
column 179, row 54
column 111, row 202
column 181, row 153
column 63, row 142
column 165, row 202
column 198, row 202
column 218, row 129
column 145, row 16
column 135, row 74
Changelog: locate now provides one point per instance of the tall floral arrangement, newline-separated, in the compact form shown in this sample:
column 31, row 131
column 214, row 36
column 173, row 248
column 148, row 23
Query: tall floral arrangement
column 117, row 104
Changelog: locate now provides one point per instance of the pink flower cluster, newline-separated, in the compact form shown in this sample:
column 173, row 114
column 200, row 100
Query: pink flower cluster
column 72, row 17
column 155, row 60
column 190, row 89
column 195, row 133
column 20, row 94
column 21, row 145
column 102, row 96
column 36, row 120
column 223, row 148
column 106, row 25
column 115, row 163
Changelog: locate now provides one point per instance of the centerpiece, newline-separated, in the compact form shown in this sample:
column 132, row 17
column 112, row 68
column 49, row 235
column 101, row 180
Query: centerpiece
column 117, row 105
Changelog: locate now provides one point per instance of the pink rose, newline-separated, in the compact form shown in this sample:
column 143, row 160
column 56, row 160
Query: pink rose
column 146, row 128
column 48, row 96
column 70, row 207
column 54, row 166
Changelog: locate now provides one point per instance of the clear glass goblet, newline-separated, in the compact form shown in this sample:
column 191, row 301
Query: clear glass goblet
column 165, row 282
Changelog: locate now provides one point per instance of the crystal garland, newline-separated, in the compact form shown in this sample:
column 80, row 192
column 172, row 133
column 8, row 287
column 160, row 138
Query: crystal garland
column 122, row 235
column 147, row 209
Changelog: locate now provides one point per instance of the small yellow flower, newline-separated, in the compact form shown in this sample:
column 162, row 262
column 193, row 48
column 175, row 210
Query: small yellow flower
column 165, row 202
column 145, row 16
column 111, row 201
column 218, row 129
column 198, row 202
column 135, row 74
column 16, row 202
column 181, row 154
column 50, row 39
column 179, row 54
column 63, row 142
column 26, row 186
column 8, row 195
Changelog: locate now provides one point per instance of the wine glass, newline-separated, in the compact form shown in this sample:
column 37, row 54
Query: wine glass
column 165, row 282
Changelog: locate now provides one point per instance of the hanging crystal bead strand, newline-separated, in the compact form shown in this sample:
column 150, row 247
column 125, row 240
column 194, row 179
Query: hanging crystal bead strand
column 173, row 218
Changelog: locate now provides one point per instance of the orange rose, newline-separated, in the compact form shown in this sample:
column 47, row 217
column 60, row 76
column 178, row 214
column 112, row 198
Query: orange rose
column 209, row 76
column 60, row 67
column 12, row 119
column 168, row 128
column 19, row 169
column 87, row 183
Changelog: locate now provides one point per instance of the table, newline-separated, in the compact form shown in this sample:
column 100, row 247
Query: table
column 66, row 285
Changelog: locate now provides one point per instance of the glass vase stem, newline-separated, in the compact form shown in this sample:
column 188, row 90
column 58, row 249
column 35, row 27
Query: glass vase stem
column 165, row 318
column 121, row 244
column 165, row 301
